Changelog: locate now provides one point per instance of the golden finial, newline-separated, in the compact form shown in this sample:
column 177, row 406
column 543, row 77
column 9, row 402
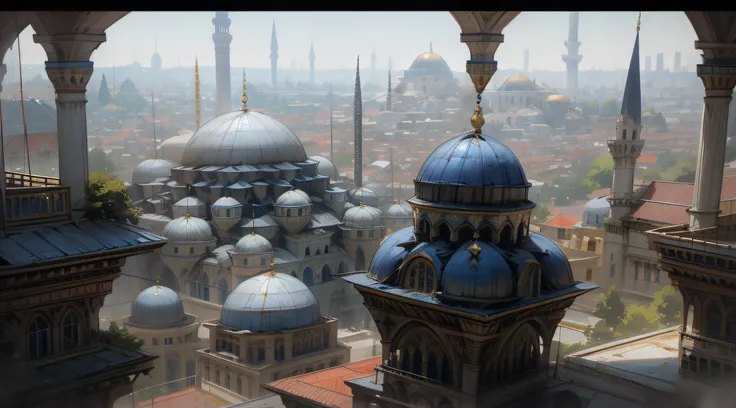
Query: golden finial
column 197, row 99
column 187, row 216
column 158, row 282
column 396, row 201
column 477, row 120
column 253, row 221
column 638, row 23
column 272, row 272
column 361, row 204
column 245, row 97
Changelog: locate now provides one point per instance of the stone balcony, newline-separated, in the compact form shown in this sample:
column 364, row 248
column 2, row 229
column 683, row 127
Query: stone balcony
column 31, row 200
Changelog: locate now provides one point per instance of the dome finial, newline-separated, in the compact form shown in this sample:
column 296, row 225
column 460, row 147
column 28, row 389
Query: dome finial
column 361, row 204
column 272, row 272
column 253, row 220
column 477, row 120
column 396, row 201
column 197, row 99
column 158, row 281
column 430, row 46
column 187, row 216
column 245, row 97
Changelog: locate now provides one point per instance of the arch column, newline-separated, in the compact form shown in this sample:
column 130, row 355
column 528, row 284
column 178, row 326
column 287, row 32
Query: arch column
column 719, row 78
column 3, row 71
column 70, row 75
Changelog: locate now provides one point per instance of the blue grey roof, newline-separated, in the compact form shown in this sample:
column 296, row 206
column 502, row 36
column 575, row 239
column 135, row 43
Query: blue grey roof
column 631, row 104
column 556, row 270
column 596, row 211
column 157, row 307
column 252, row 243
column 488, row 277
column 468, row 160
column 270, row 302
column 293, row 198
column 75, row 239
column 363, row 217
column 390, row 254
column 239, row 185
column 323, row 220
column 286, row 166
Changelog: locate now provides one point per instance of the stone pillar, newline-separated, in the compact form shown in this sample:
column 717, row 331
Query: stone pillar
column 719, row 81
column 3, row 71
column 70, row 80
column 471, row 374
column 288, row 346
column 270, row 343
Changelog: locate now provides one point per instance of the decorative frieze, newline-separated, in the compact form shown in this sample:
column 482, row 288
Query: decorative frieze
column 69, row 77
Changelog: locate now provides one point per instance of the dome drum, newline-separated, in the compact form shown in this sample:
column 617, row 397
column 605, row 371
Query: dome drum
column 186, row 175
column 288, row 171
column 209, row 173
column 279, row 187
column 227, row 175
column 473, row 198
column 265, row 226
column 267, row 172
column 151, row 190
column 247, row 173
column 309, row 168
column 226, row 213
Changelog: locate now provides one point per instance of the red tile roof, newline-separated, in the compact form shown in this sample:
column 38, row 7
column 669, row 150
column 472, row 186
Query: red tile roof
column 646, row 159
column 326, row 387
column 188, row 398
column 564, row 221
column 663, row 213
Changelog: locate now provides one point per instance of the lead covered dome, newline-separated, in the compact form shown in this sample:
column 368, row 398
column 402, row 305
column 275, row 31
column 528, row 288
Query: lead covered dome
column 151, row 170
column 518, row 83
column 188, row 229
column 270, row 302
column 243, row 137
column 157, row 307
column 363, row 216
column 253, row 244
column 596, row 211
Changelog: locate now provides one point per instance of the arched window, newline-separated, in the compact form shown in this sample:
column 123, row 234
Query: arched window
column 444, row 232
column 432, row 366
column 224, row 291
column 327, row 249
column 342, row 268
column 293, row 273
column 485, row 233
column 204, row 287
column 633, row 135
column 420, row 276
column 359, row 260
column 623, row 134
column 288, row 212
column 318, row 252
column 405, row 360
column 731, row 326
column 299, row 212
column 307, row 252
column 520, row 232
column 308, row 276
column 326, row 274
column 416, row 362
column 505, row 236
column 464, row 234
column 520, row 354
column 39, row 341
column 70, row 331
column 446, row 371
column 713, row 319
column 423, row 229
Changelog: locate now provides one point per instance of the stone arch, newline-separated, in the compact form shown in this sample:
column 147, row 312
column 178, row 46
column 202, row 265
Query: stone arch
column 342, row 268
column 71, row 329
column 423, row 227
column 306, row 252
column 414, row 344
column 464, row 233
column 486, row 232
column 443, row 231
column 529, row 280
column 713, row 313
column 419, row 273
column 359, row 259
column 505, row 233
column 520, row 233
column 308, row 276
column 520, row 354
column 38, row 337
column 224, row 291
column 326, row 273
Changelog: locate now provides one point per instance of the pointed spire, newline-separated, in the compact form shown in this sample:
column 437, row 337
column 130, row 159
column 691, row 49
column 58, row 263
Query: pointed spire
column 631, row 103
column 155, row 45
column 197, row 99
column 311, row 49
column 389, row 102
column 430, row 47
column 244, row 99
column 358, row 129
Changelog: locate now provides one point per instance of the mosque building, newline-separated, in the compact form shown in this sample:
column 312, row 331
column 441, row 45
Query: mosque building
column 157, row 317
column 270, row 328
column 519, row 92
column 428, row 76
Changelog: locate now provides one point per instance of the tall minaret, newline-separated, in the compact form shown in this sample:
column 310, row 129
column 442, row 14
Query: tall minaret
column 572, row 59
column 373, row 64
column 274, row 56
column 222, row 39
column 358, row 130
column 311, row 63
column 389, row 102
column 626, row 147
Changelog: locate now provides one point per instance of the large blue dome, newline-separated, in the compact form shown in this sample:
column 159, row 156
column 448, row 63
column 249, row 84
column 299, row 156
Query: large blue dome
column 157, row 307
column 473, row 161
column 270, row 302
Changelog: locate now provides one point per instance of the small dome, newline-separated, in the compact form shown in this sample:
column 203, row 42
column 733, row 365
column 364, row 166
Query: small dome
column 490, row 279
column 363, row 217
column 226, row 202
column 157, row 307
column 188, row 229
column 240, row 137
column 397, row 210
column 189, row 202
column 325, row 167
column 150, row 170
column 557, row 98
column 596, row 211
column 293, row 198
column 430, row 62
column 270, row 302
column 253, row 244
column 556, row 270
column 473, row 161
column 391, row 254
column 518, row 83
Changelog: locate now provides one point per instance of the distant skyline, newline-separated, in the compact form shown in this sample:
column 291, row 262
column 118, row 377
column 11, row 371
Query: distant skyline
column 607, row 39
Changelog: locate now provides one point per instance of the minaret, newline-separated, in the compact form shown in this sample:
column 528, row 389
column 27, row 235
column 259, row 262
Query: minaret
column 373, row 64
column 274, row 56
column 222, row 39
column 311, row 63
column 626, row 147
column 572, row 59
column 389, row 102
column 197, row 98
column 358, row 130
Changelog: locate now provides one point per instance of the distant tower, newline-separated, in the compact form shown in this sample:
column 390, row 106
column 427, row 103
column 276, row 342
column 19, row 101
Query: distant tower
column 660, row 62
column 627, row 146
column 572, row 59
column 373, row 63
column 526, row 60
column 274, row 56
column 389, row 103
column 358, row 130
column 156, row 58
column 390, row 63
column 678, row 62
column 311, row 62
column 222, row 39
column 648, row 63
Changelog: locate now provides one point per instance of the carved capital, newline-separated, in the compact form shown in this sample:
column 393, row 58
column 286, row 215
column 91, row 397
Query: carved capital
column 69, row 47
column 69, row 77
column 719, row 80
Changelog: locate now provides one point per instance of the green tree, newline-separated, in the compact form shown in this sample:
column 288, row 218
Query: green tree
column 107, row 198
column 121, row 336
column 665, row 159
column 611, row 108
column 687, row 175
column 103, row 95
column 653, row 172
column 610, row 308
column 99, row 161
column 591, row 108
column 600, row 333
column 601, row 173
column 668, row 305
column 638, row 320
column 540, row 213
column 649, row 110
column 602, row 179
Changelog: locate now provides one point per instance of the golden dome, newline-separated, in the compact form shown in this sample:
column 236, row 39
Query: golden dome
column 557, row 98
column 518, row 83
column 429, row 61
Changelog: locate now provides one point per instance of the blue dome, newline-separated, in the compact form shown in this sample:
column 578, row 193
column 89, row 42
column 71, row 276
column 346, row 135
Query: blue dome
column 556, row 270
column 596, row 211
column 488, row 280
column 157, row 307
column 461, row 161
column 270, row 302
column 391, row 253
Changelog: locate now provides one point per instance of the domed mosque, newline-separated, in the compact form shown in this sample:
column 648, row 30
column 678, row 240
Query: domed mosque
column 520, row 92
column 157, row 317
column 467, row 299
column 243, row 191
column 428, row 76
column 270, row 328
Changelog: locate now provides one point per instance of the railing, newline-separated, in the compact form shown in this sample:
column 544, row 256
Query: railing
column 14, row 179
column 147, row 397
column 26, row 206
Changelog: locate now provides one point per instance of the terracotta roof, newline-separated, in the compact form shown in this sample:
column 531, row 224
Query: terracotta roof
column 326, row 387
column 564, row 221
column 663, row 213
column 188, row 398
column 647, row 159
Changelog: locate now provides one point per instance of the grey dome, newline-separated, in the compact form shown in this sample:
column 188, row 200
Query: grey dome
column 325, row 167
column 253, row 244
column 270, row 302
column 363, row 217
column 239, row 137
column 488, row 279
column 189, row 202
column 150, row 170
column 596, row 211
column 362, row 193
column 157, row 307
column 293, row 198
column 188, row 229
column 397, row 210
column 226, row 202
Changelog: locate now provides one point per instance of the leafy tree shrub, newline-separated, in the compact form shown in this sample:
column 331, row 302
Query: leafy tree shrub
column 108, row 199
column 610, row 109
column 639, row 320
column 610, row 308
column 600, row 333
column 99, row 161
column 668, row 305
column 540, row 213
column 121, row 336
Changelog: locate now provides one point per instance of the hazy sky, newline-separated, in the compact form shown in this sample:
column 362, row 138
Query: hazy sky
column 607, row 39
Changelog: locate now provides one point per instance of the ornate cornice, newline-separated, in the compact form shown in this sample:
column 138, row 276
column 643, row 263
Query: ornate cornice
column 70, row 77
column 719, row 80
